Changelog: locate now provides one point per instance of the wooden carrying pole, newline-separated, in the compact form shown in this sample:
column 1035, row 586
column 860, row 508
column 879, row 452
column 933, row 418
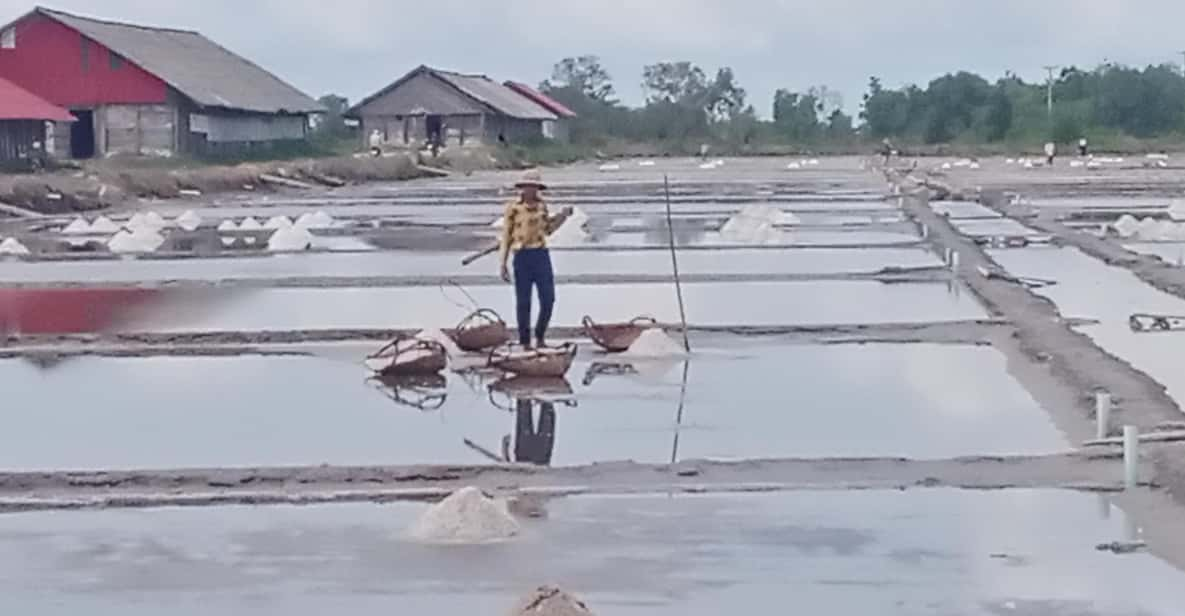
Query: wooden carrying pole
column 666, row 186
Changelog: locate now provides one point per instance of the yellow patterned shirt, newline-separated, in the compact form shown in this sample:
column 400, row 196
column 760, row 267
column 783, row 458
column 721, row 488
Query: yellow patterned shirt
column 524, row 225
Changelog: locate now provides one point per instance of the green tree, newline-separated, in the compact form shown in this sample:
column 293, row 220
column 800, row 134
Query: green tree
column 675, row 82
column 998, row 114
column 796, row 115
column 582, row 74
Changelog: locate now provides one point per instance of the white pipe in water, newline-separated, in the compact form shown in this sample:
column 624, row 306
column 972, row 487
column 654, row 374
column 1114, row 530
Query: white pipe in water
column 1102, row 414
column 1131, row 456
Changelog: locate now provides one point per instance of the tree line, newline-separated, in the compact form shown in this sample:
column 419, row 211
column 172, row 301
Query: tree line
column 685, row 103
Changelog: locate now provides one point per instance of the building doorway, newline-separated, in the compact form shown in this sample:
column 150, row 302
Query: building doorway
column 82, row 134
column 435, row 128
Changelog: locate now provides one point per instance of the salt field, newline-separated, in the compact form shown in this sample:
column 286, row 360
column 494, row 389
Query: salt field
column 840, row 364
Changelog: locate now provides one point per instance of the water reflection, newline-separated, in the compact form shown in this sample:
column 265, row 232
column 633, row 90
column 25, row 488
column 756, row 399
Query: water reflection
column 422, row 392
column 533, row 403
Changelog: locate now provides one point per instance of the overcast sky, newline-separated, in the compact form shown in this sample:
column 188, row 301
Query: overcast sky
column 354, row 47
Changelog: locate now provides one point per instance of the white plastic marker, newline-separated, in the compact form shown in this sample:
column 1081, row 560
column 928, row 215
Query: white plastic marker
column 1102, row 414
column 1131, row 456
column 666, row 187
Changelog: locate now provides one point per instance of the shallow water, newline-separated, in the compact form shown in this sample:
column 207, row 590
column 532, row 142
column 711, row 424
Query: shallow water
column 916, row 553
column 963, row 209
column 1089, row 288
column 751, row 399
column 1172, row 253
column 1003, row 226
column 707, row 304
column 408, row 263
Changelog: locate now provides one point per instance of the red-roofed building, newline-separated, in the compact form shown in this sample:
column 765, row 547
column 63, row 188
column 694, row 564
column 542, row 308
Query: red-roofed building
column 23, row 124
column 553, row 130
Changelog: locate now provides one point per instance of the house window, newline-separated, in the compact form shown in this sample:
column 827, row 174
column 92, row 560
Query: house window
column 116, row 60
column 8, row 38
column 85, row 46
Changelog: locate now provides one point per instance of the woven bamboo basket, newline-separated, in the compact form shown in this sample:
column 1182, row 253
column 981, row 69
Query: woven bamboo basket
column 546, row 362
column 409, row 357
column 617, row 337
column 481, row 331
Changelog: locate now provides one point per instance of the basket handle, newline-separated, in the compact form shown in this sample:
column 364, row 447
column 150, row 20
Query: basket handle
column 648, row 321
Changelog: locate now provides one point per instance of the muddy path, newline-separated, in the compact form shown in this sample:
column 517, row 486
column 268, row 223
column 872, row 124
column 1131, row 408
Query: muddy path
column 1092, row 471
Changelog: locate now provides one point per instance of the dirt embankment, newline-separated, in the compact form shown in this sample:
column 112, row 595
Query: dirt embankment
column 110, row 183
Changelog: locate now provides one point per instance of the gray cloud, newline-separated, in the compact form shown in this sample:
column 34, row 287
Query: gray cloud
column 354, row 47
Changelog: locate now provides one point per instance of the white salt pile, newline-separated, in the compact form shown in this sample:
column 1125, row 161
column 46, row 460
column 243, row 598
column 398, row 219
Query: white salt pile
column 756, row 224
column 12, row 247
column 794, row 166
column 646, row 163
column 189, row 220
column 278, row 222
column 292, row 239
column 572, row 232
column 78, row 226
column 316, row 220
column 1126, row 226
column 550, row 601
column 655, row 343
column 228, row 225
column 140, row 240
column 1148, row 227
column 250, row 224
column 1157, row 157
column 466, row 516
column 1177, row 209
column 150, row 221
column 946, row 165
column 814, row 162
column 609, row 167
column 227, row 241
column 103, row 224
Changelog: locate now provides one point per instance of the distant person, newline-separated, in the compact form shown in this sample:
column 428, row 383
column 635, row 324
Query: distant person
column 1083, row 151
column 886, row 150
column 376, row 143
column 1050, row 153
column 525, row 227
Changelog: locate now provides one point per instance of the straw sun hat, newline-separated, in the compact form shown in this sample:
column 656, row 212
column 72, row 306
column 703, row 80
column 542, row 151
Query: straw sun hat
column 531, row 177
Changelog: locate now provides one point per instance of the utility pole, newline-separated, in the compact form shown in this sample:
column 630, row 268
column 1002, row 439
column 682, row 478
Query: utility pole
column 1049, row 91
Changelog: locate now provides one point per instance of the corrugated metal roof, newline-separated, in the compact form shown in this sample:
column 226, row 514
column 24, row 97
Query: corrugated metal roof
column 498, row 96
column 17, row 103
column 550, row 103
column 194, row 65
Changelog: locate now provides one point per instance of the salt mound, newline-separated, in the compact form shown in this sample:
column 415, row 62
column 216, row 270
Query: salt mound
column 655, row 343
column 250, row 224
column 227, row 241
column 794, row 166
column 278, row 222
column 11, row 246
column 814, row 162
column 550, row 601
column 1126, row 226
column 150, row 221
column 124, row 242
column 466, row 516
column 228, row 225
column 572, row 232
column 1177, row 209
column 103, row 224
column 292, row 239
column 1157, row 156
column 646, row 163
column 755, row 224
column 316, row 220
column 189, row 220
column 77, row 226
column 609, row 167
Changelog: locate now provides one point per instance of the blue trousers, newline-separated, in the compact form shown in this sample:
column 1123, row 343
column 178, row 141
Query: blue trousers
column 532, row 267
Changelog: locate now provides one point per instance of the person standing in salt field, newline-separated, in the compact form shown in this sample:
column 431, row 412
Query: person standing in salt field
column 526, row 224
